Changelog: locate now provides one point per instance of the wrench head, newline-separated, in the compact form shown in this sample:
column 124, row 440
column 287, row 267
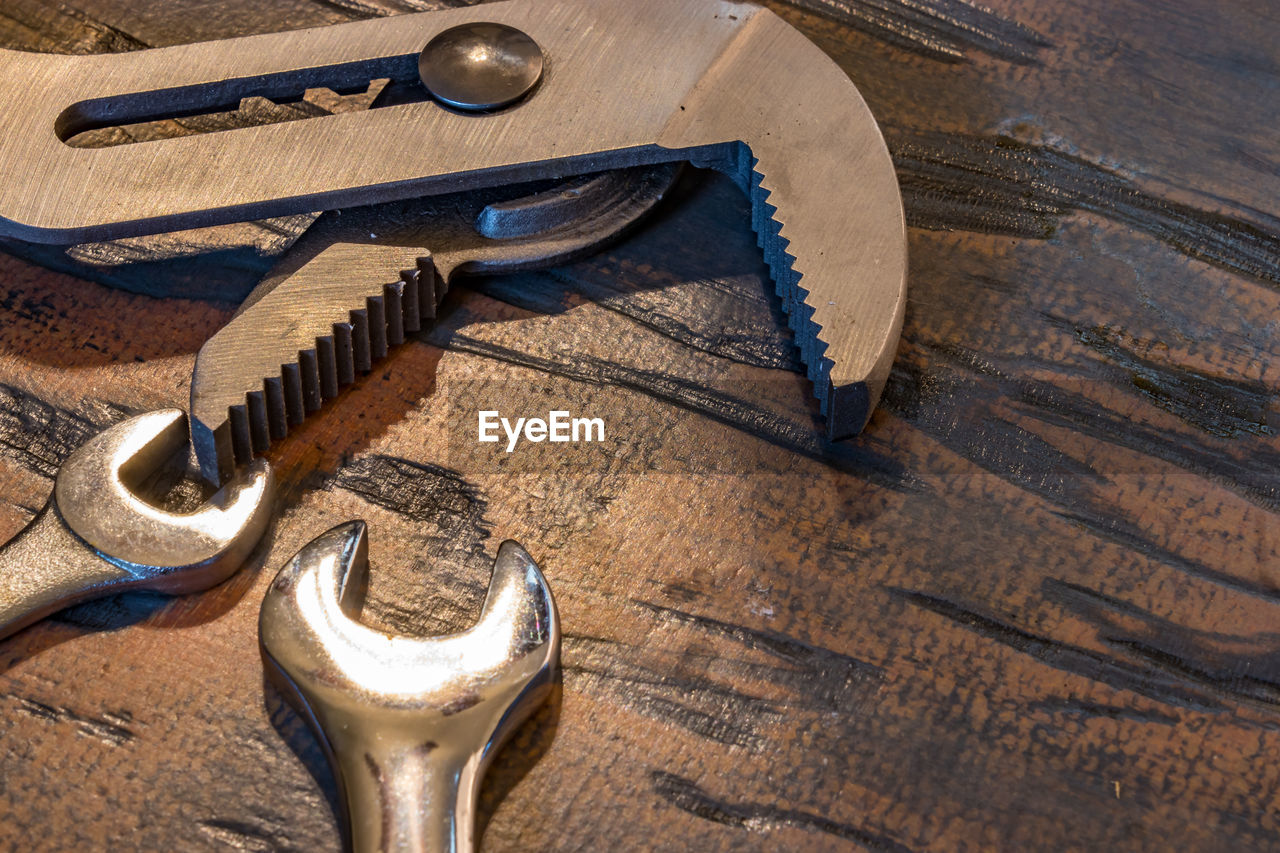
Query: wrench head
column 405, row 713
column 165, row 551
column 308, row 629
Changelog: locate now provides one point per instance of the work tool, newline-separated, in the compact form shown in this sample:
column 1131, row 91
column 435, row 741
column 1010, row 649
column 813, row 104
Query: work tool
column 96, row 537
column 409, row 724
column 480, row 97
column 491, row 95
column 334, row 304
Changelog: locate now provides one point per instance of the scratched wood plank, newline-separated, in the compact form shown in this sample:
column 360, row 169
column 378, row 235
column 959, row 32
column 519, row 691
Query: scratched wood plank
column 1032, row 608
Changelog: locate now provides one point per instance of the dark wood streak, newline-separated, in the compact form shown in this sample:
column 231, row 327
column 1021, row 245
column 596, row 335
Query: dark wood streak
column 1228, row 681
column 22, row 306
column 36, row 26
column 449, row 525
column 1147, row 681
column 112, row 729
column 947, row 30
column 1071, row 706
column 1000, row 185
column 738, row 412
column 1245, row 667
column 823, row 677
column 1220, row 406
column 686, row 690
column 1107, row 526
column 1212, row 405
column 1009, row 450
column 708, row 710
column 687, row 796
column 427, row 494
column 1031, row 464
column 1253, row 473
column 39, row 436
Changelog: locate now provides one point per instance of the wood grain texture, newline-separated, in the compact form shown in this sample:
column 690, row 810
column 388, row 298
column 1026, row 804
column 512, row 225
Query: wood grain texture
column 1033, row 607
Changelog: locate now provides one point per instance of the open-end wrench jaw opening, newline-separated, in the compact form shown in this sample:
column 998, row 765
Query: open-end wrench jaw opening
column 409, row 724
column 310, row 628
column 175, row 552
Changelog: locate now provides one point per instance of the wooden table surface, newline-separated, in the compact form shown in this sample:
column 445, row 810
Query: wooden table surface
column 1035, row 606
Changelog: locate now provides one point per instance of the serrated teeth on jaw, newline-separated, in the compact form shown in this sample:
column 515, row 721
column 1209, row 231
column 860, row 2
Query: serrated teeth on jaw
column 351, row 348
column 770, row 228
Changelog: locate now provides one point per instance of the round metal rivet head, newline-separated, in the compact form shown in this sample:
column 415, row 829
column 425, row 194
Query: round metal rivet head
column 480, row 66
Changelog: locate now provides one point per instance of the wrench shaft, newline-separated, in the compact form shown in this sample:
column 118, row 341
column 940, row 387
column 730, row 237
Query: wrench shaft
column 408, row 797
column 46, row 568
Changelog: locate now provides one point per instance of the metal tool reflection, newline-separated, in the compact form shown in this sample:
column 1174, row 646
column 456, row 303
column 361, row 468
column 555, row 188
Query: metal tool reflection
column 409, row 724
column 96, row 537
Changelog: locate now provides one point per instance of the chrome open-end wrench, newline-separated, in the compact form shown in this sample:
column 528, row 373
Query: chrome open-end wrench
column 726, row 85
column 409, row 724
column 96, row 537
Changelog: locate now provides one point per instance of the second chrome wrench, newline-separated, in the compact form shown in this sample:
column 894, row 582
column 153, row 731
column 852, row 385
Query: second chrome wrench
column 409, row 724
column 97, row 537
